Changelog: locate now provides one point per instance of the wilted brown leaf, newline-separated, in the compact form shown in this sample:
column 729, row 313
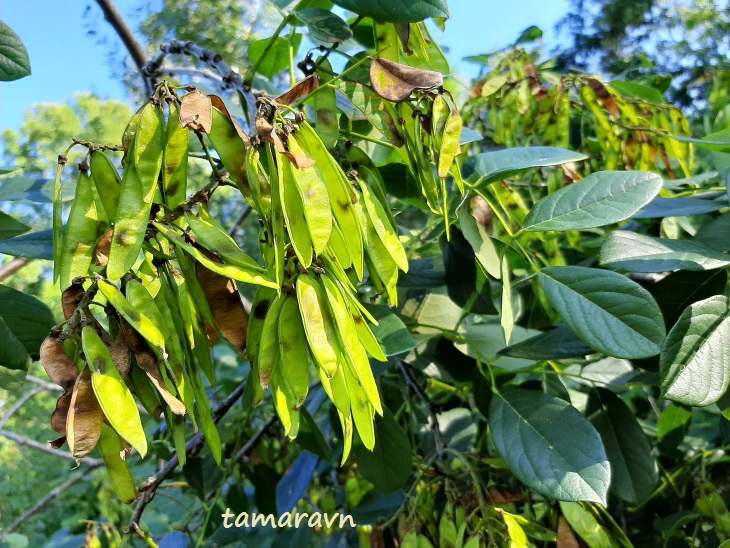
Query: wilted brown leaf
column 395, row 82
column 500, row 495
column 196, row 111
column 604, row 96
column 85, row 417
column 225, row 302
column 101, row 251
column 58, row 365
column 404, row 33
column 300, row 89
column 268, row 132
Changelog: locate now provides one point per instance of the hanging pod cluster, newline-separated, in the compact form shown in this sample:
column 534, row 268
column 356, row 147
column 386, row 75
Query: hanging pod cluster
column 150, row 279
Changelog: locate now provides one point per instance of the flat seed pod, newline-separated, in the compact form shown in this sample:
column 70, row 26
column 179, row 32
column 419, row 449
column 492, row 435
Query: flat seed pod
column 148, row 363
column 111, row 449
column 395, row 82
column 85, row 417
column 293, row 207
column 60, row 414
column 268, row 354
column 225, row 303
column 362, row 410
column 141, row 323
column 59, row 367
column 80, row 233
column 293, row 350
column 107, row 182
column 318, row 325
column 231, row 149
column 449, row 143
column 381, row 223
column 175, row 159
column 112, row 393
column 284, row 402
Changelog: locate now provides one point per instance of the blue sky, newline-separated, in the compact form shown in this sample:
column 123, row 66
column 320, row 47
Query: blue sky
column 66, row 60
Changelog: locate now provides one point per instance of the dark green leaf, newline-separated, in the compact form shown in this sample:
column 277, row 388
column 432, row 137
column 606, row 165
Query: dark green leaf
column 376, row 506
column 638, row 91
column 295, row 482
column 501, row 164
column 549, row 445
column 632, row 252
column 21, row 188
column 10, row 226
column 483, row 246
column 324, row 26
column 602, row 198
column 24, row 323
column 679, row 207
column 36, row 245
column 400, row 183
column 694, row 361
column 466, row 280
column 14, row 62
column 391, row 333
column 277, row 59
column 608, row 311
column 672, row 427
column 556, row 344
column 202, row 474
column 680, row 289
column 634, row 470
column 716, row 234
column 530, row 34
column 310, row 437
column 397, row 12
column 423, row 274
column 468, row 135
column 389, row 465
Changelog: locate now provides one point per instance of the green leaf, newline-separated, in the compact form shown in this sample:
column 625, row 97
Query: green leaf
column 718, row 142
column 638, row 91
column 672, row 427
column 483, row 246
column 310, row 437
column 501, row 164
column 24, row 323
column 680, row 289
column 530, row 34
column 277, row 59
column 32, row 189
column 324, row 26
column 632, row 252
column 633, row 468
column 14, row 62
column 10, row 226
column 423, row 273
column 679, row 207
column 585, row 525
column 485, row 341
column 549, row 445
column 602, row 198
column 694, row 364
column 556, row 344
column 397, row 12
column 466, row 281
column 389, row 465
column 36, row 245
column 608, row 311
column 715, row 233
column 391, row 332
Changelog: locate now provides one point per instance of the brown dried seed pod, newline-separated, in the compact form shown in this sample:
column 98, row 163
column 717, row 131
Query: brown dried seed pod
column 85, row 417
column 148, row 363
column 58, row 418
column 225, row 302
column 70, row 299
column 58, row 365
column 121, row 355
column 101, row 251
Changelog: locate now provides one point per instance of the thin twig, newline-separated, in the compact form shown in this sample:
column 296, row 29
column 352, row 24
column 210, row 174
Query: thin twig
column 229, row 77
column 434, row 423
column 115, row 19
column 234, row 229
column 43, row 384
column 22, row 440
column 149, row 487
column 18, row 404
column 42, row 503
column 246, row 449
column 11, row 267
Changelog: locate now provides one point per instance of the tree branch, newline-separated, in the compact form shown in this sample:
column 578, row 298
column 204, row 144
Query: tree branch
column 149, row 487
column 44, row 384
column 41, row 504
column 11, row 267
column 22, row 440
column 115, row 19
column 18, row 404
column 434, row 423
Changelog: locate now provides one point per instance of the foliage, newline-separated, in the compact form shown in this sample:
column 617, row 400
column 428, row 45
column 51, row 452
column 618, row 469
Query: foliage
column 500, row 325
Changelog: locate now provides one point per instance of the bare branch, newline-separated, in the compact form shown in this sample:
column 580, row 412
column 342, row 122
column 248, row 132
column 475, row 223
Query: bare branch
column 45, row 385
column 434, row 424
column 234, row 229
column 22, row 440
column 18, row 404
column 45, row 501
column 11, row 267
column 115, row 19
column 149, row 487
